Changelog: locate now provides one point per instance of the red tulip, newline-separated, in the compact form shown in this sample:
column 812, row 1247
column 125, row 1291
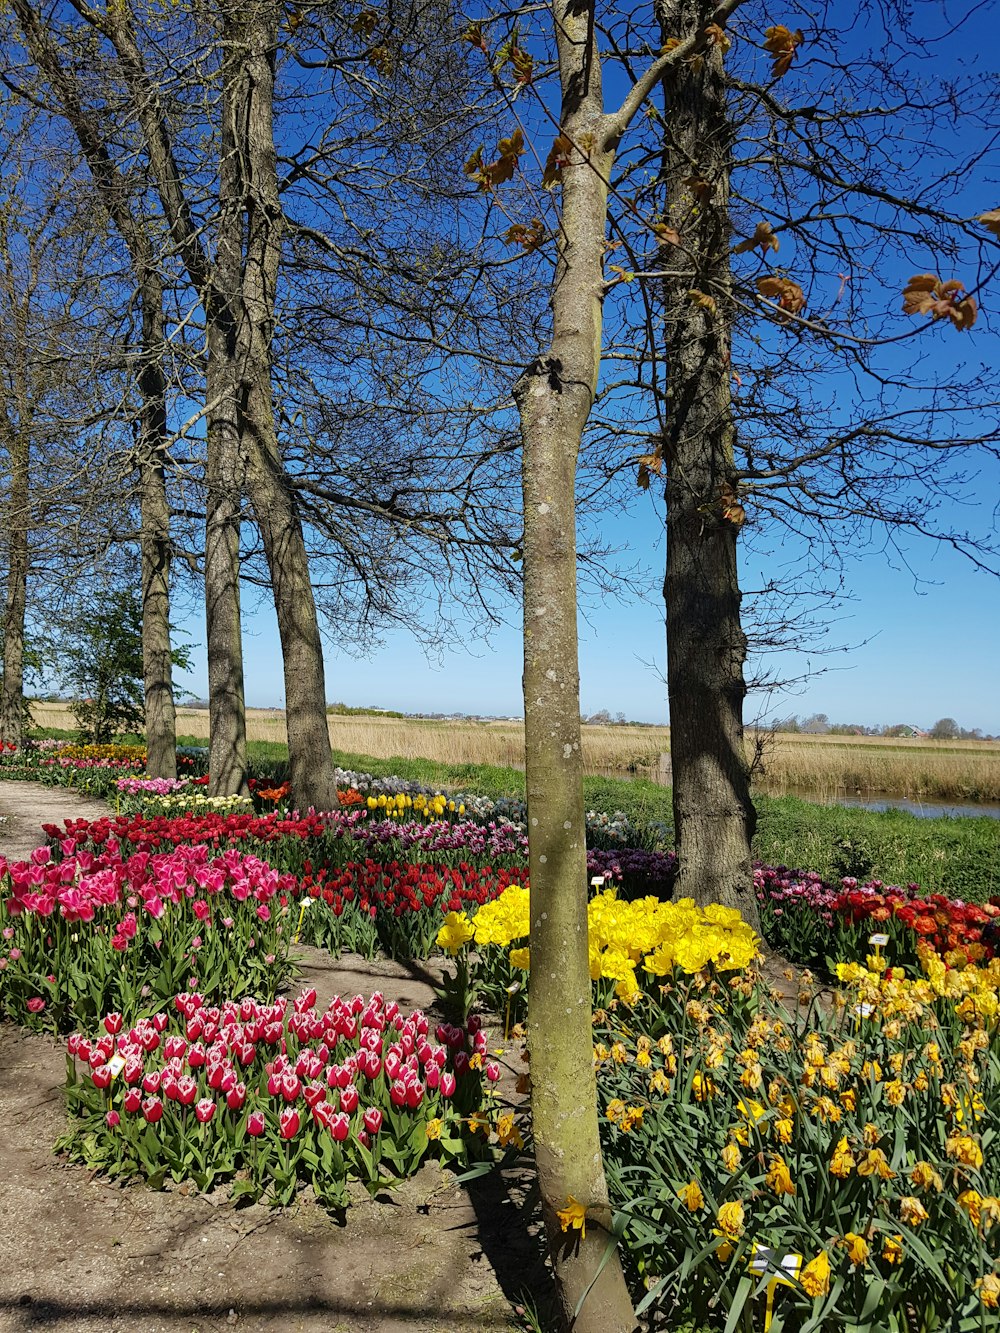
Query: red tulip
column 187, row 1090
column 236, row 1096
column 340, row 1126
column 132, row 1101
column 255, row 1124
column 372, row 1119
column 205, row 1110
column 113, row 1023
column 152, row 1110
column 289, row 1122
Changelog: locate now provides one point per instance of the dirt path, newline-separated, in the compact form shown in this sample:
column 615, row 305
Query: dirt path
column 29, row 805
column 80, row 1255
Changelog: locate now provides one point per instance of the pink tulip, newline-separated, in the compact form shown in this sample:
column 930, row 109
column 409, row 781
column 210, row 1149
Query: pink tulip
column 112, row 1120
column 492, row 1071
column 36, row 1004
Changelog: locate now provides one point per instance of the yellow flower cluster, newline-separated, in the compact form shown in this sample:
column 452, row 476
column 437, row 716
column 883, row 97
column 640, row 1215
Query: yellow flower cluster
column 974, row 991
column 131, row 754
column 455, row 933
column 663, row 937
column 419, row 806
column 624, row 936
column 505, row 919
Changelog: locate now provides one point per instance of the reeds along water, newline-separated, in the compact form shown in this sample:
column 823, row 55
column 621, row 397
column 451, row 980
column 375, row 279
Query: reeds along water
column 824, row 765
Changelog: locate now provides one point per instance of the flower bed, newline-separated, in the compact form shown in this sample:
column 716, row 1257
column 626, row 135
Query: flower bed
column 850, row 1155
column 817, row 923
column 95, row 931
column 271, row 1095
column 396, row 908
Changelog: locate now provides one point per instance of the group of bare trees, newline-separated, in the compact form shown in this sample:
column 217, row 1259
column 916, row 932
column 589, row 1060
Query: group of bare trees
column 324, row 237
column 287, row 380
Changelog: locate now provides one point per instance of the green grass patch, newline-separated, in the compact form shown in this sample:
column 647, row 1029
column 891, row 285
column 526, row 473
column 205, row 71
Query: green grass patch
column 956, row 856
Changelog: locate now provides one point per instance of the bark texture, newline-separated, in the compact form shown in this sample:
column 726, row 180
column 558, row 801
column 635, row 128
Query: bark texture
column 15, row 600
column 155, row 546
column 554, row 398
column 714, row 817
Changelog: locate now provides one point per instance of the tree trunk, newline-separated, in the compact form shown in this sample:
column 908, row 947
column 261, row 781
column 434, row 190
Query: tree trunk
column 227, row 757
column 275, row 508
column 714, row 817
column 155, row 554
column 15, row 602
column 554, row 398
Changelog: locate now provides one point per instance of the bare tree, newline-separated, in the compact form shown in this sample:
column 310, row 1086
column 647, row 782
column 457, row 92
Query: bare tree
column 134, row 227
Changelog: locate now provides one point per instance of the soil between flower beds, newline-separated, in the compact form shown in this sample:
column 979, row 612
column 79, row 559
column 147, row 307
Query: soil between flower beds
column 78, row 1253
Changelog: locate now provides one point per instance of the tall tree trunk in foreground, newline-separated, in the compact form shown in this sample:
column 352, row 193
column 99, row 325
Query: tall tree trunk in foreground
column 254, row 30
column 554, row 398
column 714, row 817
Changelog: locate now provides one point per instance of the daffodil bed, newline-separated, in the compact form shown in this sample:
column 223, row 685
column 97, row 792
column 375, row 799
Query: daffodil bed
column 820, row 1167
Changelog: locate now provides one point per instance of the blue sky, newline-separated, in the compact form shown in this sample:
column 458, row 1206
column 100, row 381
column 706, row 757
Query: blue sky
column 922, row 651
column 923, row 637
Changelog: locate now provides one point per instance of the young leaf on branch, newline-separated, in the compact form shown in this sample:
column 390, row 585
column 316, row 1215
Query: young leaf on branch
column 926, row 294
column 991, row 221
column 782, row 43
column 490, row 174
column 789, row 295
column 762, row 237
column 530, row 235
column 559, row 156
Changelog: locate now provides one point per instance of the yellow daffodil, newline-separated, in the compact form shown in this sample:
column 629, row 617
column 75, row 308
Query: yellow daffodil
column 925, row 1177
column 912, row 1211
column 815, row 1277
column 857, row 1248
column 874, row 1163
column 892, row 1249
column 574, row 1216
column 779, row 1178
column 971, row 1203
column 691, row 1196
column 731, row 1218
column 989, row 1291
column 842, row 1163
column 964, row 1150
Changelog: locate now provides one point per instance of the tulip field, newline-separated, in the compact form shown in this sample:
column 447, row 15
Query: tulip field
column 813, row 1153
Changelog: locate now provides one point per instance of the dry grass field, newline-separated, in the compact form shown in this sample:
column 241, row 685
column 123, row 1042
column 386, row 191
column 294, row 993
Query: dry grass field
column 820, row 765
